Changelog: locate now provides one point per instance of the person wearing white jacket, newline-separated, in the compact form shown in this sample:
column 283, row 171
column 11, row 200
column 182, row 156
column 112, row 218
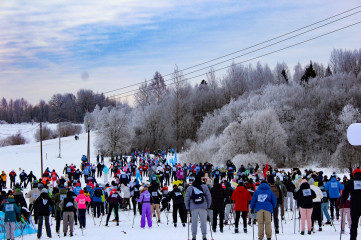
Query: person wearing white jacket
column 316, row 213
column 126, row 195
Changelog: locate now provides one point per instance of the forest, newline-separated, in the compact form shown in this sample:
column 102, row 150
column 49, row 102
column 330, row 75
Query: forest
column 250, row 113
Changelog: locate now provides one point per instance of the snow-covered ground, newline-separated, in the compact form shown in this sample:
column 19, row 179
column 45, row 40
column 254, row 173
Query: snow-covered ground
column 27, row 157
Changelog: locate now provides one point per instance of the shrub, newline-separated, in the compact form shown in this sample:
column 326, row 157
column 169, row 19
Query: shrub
column 69, row 129
column 47, row 133
column 17, row 139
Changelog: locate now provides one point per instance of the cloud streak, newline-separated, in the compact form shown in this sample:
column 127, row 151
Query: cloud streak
column 45, row 46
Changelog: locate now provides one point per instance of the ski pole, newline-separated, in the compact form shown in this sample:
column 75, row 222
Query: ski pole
column 282, row 225
column 133, row 221
column 294, row 220
column 252, row 229
column 275, row 228
column 342, row 212
column 188, row 216
column 210, row 229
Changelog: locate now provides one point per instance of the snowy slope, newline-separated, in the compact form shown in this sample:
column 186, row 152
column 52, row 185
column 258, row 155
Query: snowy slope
column 28, row 157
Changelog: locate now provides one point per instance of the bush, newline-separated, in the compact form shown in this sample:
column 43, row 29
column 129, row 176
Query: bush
column 17, row 139
column 69, row 129
column 47, row 133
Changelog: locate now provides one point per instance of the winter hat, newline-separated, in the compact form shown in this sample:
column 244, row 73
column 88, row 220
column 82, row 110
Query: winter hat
column 356, row 171
column 145, row 185
column 174, row 186
column 81, row 191
column 311, row 181
column 44, row 190
column 270, row 179
column 69, row 194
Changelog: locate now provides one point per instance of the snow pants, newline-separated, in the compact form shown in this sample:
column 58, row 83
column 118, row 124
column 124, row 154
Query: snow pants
column 289, row 200
column 244, row 218
column 317, row 214
column 264, row 220
column 345, row 213
column 324, row 210
column 216, row 212
column 306, row 214
column 334, row 205
column 146, row 213
column 68, row 220
column 355, row 216
column 202, row 214
column 111, row 207
column 182, row 212
column 47, row 226
column 82, row 218
column 10, row 230
column 228, row 211
column 155, row 207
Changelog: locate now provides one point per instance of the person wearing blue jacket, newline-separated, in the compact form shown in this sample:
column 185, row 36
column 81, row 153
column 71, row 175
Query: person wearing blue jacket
column 96, row 196
column 333, row 187
column 263, row 202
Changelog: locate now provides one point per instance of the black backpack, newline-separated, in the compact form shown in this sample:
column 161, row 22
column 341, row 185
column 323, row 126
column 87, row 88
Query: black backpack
column 98, row 192
column 197, row 195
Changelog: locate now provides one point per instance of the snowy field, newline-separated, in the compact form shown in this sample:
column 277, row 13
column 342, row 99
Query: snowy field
column 27, row 157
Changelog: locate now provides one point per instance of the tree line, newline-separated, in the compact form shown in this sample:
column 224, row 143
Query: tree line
column 66, row 107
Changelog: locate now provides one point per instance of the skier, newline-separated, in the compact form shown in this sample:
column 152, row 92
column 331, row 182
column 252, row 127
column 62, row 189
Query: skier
column 218, row 195
column 3, row 178
column 263, row 202
column 241, row 196
column 114, row 201
column 57, row 198
column 198, row 199
column 146, row 199
column 353, row 189
column 178, row 205
column 81, row 199
column 12, row 175
column 23, row 177
column 11, row 210
column 304, row 197
column 68, row 205
column 334, row 187
column 42, row 205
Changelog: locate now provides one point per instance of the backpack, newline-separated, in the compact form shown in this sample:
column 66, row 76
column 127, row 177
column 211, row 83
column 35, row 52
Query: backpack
column 197, row 195
column 98, row 192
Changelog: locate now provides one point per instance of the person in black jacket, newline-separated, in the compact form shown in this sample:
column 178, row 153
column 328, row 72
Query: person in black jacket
column 304, row 197
column 41, row 206
column 290, row 190
column 218, row 195
column 31, row 178
column 153, row 190
column 178, row 204
column 353, row 188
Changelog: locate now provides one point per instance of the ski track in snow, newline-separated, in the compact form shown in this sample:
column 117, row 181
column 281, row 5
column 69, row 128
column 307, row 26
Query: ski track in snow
column 27, row 157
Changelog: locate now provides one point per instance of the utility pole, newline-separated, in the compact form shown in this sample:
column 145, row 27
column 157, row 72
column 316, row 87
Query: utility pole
column 41, row 149
column 88, row 152
column 59, row 140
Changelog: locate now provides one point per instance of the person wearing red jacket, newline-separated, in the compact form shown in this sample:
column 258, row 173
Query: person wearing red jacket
column 241, row 196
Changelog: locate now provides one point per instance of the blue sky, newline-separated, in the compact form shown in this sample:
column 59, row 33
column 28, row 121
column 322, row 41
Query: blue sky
column 45, row 46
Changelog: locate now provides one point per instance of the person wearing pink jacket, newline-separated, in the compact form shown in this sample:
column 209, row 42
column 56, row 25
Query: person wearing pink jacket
column 180, row 174
column 81, row 199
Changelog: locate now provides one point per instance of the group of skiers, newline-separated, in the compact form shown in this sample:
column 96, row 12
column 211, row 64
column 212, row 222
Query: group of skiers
column 222, row 196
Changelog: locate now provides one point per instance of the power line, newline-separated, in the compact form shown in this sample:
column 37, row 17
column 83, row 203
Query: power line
column 253, row 51
column 274, row 38
column 266, row 54
column 19, row 131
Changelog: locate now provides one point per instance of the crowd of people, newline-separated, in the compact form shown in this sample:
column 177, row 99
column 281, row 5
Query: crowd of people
column 147, row 184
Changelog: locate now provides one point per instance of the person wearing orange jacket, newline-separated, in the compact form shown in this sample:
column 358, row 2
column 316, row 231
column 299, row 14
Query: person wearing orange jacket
column 3, row 178
column 241, row 196
column 45, row 180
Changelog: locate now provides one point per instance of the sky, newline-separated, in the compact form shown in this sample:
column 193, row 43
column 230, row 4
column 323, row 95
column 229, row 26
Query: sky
column 60, row 46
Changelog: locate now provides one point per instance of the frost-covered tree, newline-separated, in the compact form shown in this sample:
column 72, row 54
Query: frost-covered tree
column 157, row 88
column 281, row 73
column 116, row 132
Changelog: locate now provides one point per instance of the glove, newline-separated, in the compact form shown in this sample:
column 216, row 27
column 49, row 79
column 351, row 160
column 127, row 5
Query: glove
column 252, row 211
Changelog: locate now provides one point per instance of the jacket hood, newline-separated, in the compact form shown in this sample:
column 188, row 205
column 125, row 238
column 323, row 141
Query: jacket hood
column 305, row 185
column 311, row 181
column 11, row 200
column 264, row 186
column 333, row 179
